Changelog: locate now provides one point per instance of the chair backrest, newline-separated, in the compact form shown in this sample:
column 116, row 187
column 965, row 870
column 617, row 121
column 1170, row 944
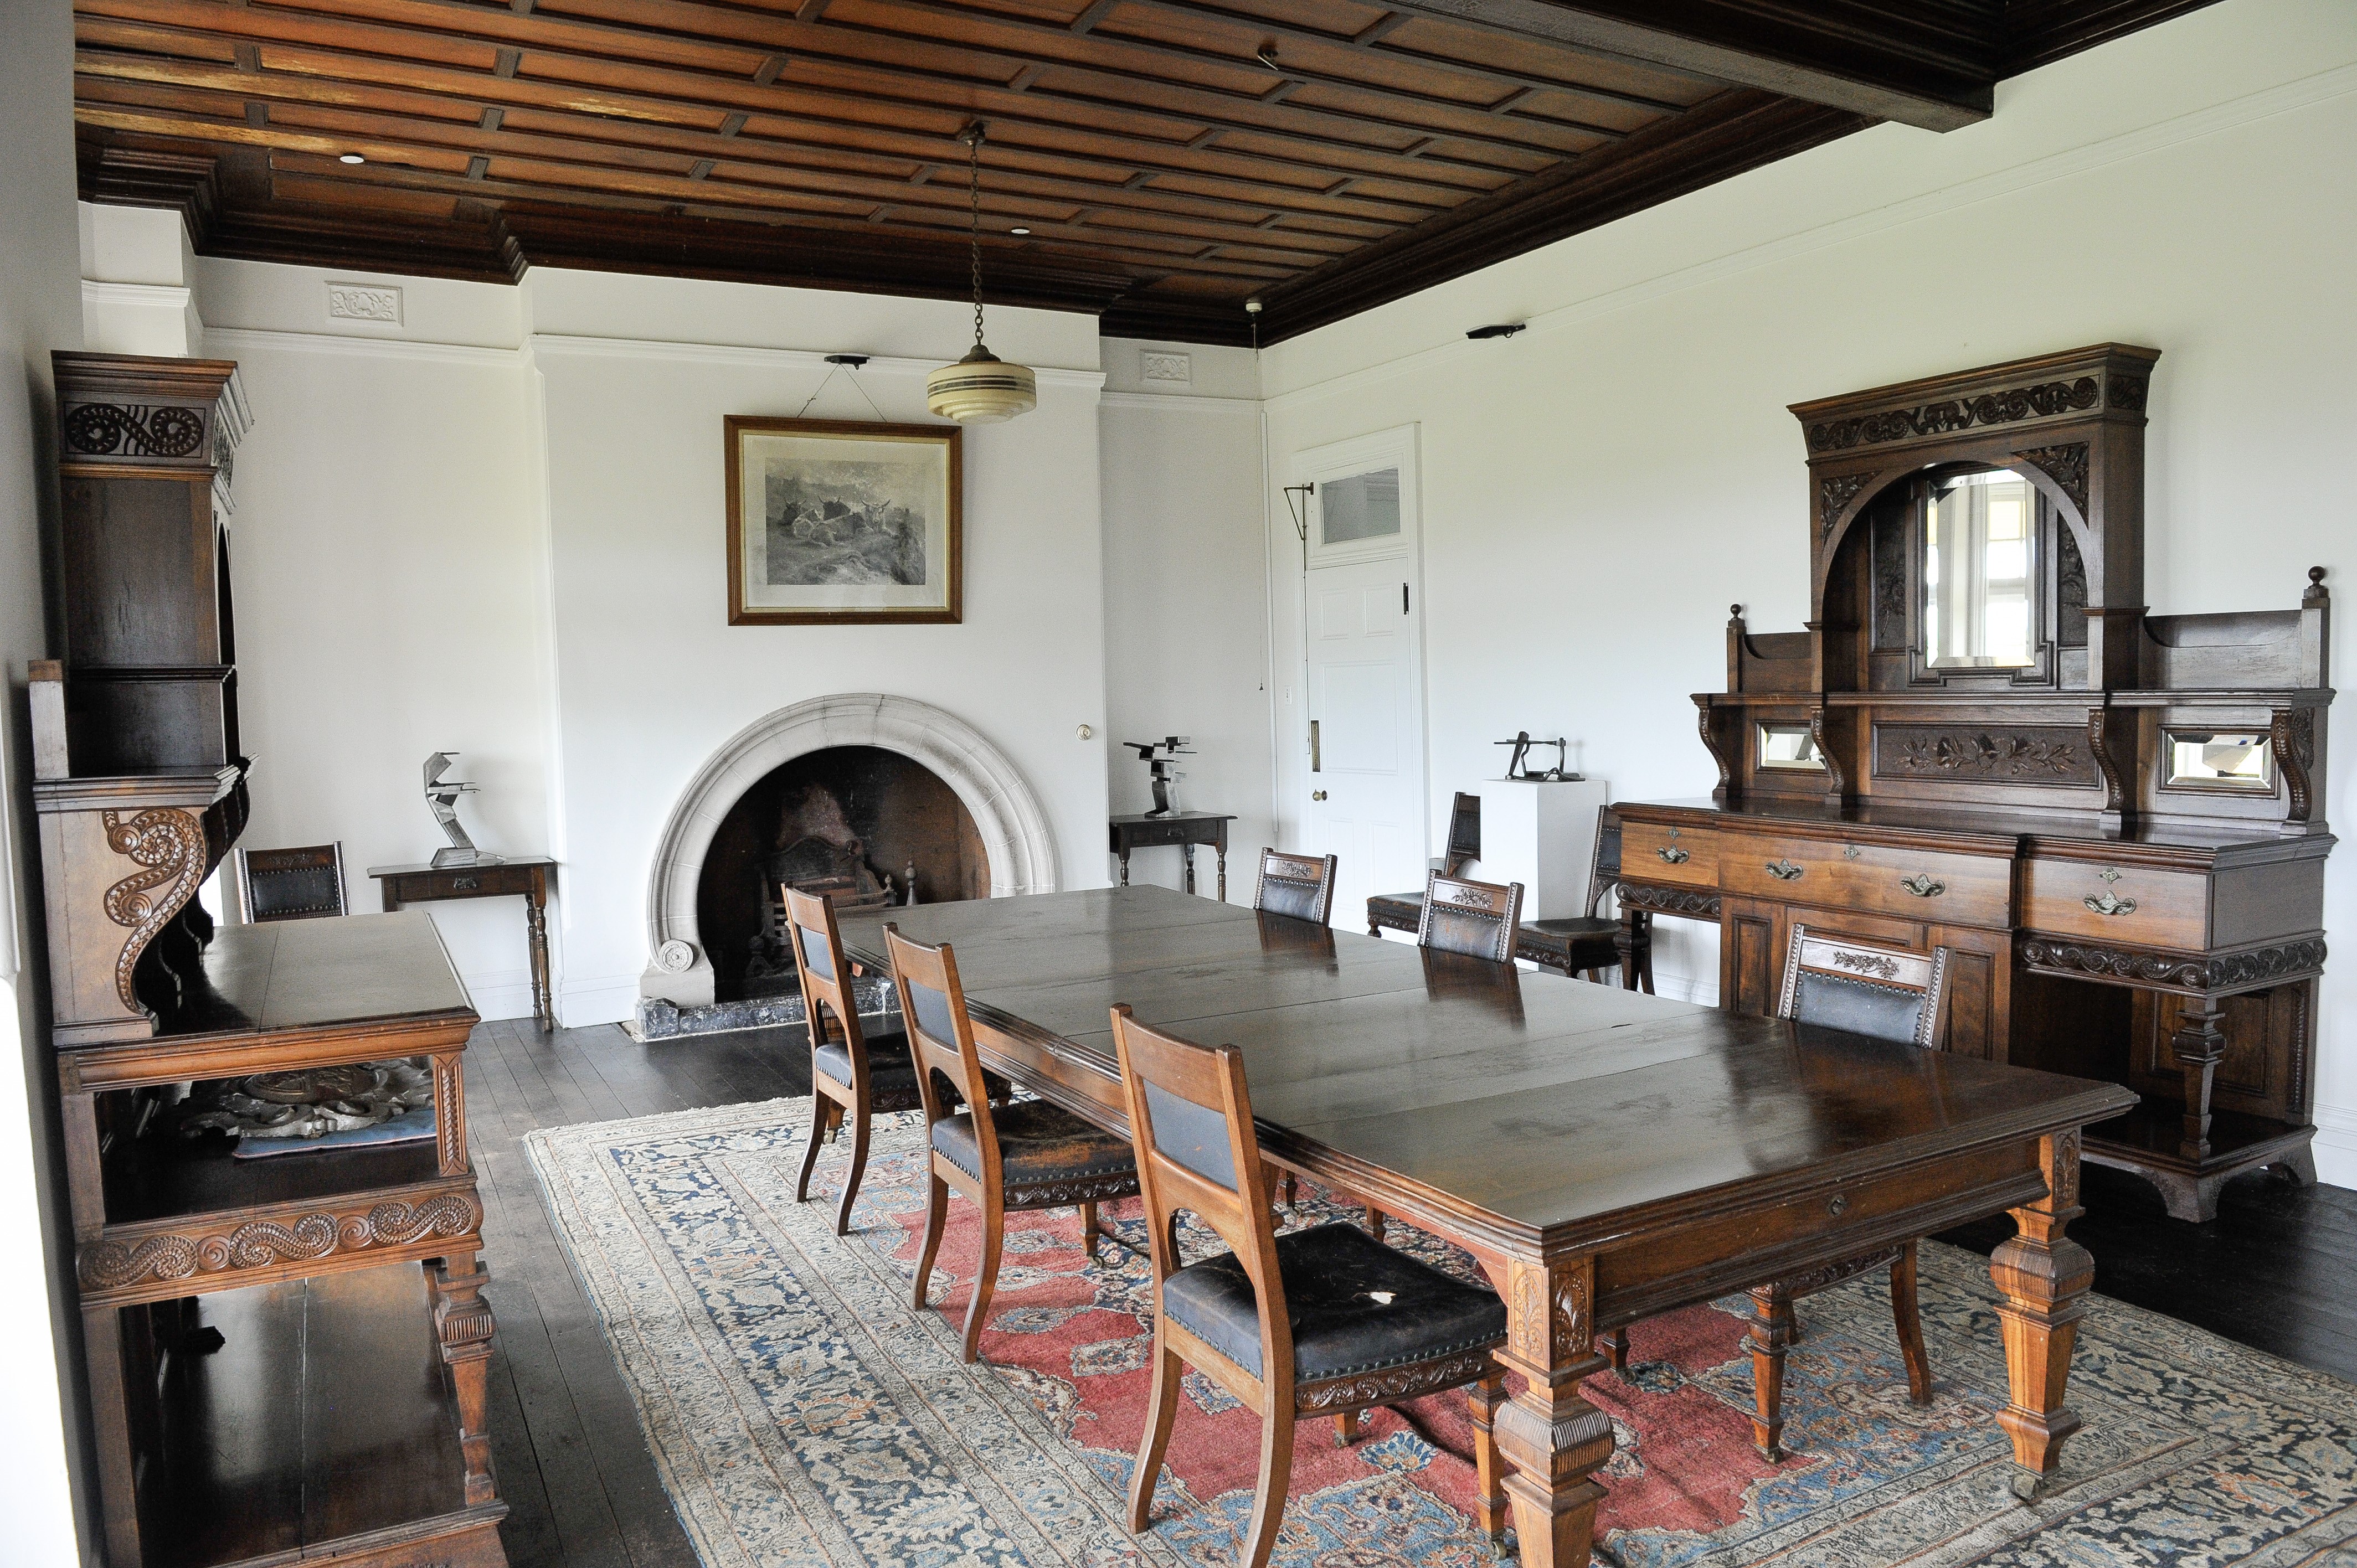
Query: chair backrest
column 940, row 1036
column 1890, row 993
column 1190, row 1124
column 1299, row 885
column 1477, row 919
column 1464, row 834
column 306, row 883
column 825, row 975
column 1604, row 869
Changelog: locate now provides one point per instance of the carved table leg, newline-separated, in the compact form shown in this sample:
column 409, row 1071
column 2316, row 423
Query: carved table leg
column 462, row 1322
column 1552, row 1437
column 1124, row 866
column 2042, row 1275
column 1771, row 1336
column 2198, row 1045
column 1490, row 1502
column 536, row 925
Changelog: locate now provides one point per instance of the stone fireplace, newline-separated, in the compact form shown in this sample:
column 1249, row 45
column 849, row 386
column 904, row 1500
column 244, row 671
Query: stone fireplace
column 866, row 797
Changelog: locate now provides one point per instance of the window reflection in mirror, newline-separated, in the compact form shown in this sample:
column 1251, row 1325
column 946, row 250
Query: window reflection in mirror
column 1790, row 746
column 2221, row 759
column 1977, row 572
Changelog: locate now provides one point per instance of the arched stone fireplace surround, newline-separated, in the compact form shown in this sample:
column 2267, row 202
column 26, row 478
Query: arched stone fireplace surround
column 1013, row 829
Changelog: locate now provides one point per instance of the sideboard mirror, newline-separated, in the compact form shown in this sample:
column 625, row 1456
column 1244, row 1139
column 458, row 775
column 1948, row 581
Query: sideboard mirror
column 1976, row 574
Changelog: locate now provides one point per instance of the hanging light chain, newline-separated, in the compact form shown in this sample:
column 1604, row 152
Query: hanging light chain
column 973, row 184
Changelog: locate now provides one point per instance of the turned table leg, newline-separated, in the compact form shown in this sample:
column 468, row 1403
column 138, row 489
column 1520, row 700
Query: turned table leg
column 536, row 925
column 2042, row 1277
column 1771, row 1336
column 1554, row 1439
column 462, row 1323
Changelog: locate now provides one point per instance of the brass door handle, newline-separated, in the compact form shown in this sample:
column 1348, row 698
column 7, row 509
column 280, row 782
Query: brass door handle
column 1922, row 886
column 1784, row 870
column 2111, row 903
column 1317, row 794
column 1674, row 857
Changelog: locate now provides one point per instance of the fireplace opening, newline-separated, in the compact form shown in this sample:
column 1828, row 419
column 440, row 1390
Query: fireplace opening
column 865, row 825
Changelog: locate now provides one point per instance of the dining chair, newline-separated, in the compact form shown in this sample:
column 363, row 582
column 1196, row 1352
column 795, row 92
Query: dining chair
column 1479, row 919
column 1325, row 1321
column 1400, row 911
column 1299, row 885
column 1887, row 993
column 852, row 1076
column 1008, row 1158
column 1589, row 943
column 304, row 884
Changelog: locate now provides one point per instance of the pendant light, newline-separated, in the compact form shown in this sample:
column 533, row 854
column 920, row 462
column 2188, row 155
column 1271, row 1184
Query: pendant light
column 982, row 388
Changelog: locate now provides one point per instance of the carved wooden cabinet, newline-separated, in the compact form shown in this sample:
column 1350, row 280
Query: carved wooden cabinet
column 337, row 1355
column 1983, row 741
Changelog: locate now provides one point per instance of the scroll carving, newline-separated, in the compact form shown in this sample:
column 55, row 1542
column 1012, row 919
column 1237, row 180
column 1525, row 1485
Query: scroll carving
column 2071, row 587
column 1810, row 1280
column 2066, row 466
column 2064, row 1185
column 2126, row 393
column 1572, row 1329
column 1833, row 494
column 1951, row 415
column 2291, row 733
column 2050, row 754
column 111, row 1263
column 134, row 430
column 1711, row 744
column 167, row 844
column 1837, row 782
column 2099, row 745
column 1669, row 901
column 1382, row 1387
column 2230, row 971
column 1890, row 584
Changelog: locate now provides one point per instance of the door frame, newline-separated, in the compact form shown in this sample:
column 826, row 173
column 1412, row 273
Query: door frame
column 1398, row 447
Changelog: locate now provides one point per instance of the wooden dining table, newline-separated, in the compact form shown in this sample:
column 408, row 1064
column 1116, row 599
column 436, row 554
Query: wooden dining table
column 1603, row 1154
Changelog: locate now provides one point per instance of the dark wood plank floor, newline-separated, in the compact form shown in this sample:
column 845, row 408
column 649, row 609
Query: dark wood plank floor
column 2277, row 1271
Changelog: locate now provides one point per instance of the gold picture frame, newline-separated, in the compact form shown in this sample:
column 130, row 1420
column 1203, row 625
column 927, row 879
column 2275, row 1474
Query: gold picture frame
column 856, row 523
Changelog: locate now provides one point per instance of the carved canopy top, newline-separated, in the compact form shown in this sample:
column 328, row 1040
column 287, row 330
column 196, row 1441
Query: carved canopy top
column 154, row 413
column 2103, row 380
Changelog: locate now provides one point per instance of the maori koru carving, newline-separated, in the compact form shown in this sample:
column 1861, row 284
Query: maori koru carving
column 1991, row 754
column 102, row 429
column 169, row 846
column 1836, row 493
column 1956, row 413
column 2230, row 971
column 2126, row 393
column 2067, row 467
column 109, row 1265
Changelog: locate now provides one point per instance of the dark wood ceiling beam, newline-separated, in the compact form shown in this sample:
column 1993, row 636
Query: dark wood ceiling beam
column 590, row 140
column 1932, row 63
column 700, row 98
column 1375, row 40
column 1114, row 53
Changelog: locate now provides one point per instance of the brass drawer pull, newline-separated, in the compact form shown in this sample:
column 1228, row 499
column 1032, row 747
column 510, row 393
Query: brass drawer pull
column 1673, row 855
column 1784, row 870
column 465, row 884
column 1922, row 886
column 2111, row 903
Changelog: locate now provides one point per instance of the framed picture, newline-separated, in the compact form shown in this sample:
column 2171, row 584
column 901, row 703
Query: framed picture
column 838, row 521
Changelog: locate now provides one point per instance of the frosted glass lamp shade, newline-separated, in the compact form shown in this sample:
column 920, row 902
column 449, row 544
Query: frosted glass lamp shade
column 982, row 389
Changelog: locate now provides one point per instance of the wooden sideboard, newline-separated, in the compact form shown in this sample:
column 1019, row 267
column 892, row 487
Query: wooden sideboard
column 2113, row 819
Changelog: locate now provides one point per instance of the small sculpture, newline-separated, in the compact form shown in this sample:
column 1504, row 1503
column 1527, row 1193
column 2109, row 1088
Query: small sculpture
column 1518, row 766
column 1162, row 769
column 442, row 795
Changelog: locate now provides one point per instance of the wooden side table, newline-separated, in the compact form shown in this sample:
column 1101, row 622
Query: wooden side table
column 529, row 876
column 1185, row 829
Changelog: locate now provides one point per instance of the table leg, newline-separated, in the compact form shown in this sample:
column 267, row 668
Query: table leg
column 1187, row 853
column 535, row 923
column 1224, row 874
column 1553, row 1437
column 463, row 1325
column 2042, row 1275
column 1124, row 866
column 2199, row 1046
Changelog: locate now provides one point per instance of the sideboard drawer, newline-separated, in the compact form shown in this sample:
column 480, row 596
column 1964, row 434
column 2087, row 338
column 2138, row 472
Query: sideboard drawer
column 1935, row 887
column 1650, row 852
column 2126, row 903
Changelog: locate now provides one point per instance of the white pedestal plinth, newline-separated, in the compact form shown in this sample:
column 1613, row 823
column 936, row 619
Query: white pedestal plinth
column 1543, row 836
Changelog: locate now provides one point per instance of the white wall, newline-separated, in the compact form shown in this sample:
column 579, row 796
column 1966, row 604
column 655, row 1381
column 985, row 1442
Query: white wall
column 1598, row 489
column 40, row 311
column 635, row 377
column 1185, row 596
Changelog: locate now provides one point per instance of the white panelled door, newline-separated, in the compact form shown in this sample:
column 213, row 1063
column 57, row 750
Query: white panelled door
column 1364, row 670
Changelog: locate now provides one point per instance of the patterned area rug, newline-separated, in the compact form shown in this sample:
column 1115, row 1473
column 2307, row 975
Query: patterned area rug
column 800, row 1413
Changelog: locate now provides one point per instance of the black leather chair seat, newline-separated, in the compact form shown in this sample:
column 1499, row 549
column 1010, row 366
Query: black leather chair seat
column 1337, row 1280
column 891, row 1074
column 1578, row 943
column 1042, row 1143
column 1396, row 911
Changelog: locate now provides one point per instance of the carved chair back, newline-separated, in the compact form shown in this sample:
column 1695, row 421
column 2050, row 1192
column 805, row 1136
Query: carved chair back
column 304, row 883
column 1190, row 1123
column 825, row 976
column 941, row 1039
column 1464, row 834
column 1299, row 885
column 1604, row 869
column 1886, row 993
column 1477, row 919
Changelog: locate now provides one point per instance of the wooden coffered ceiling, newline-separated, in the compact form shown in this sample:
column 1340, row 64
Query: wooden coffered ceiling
column 1169, row 158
